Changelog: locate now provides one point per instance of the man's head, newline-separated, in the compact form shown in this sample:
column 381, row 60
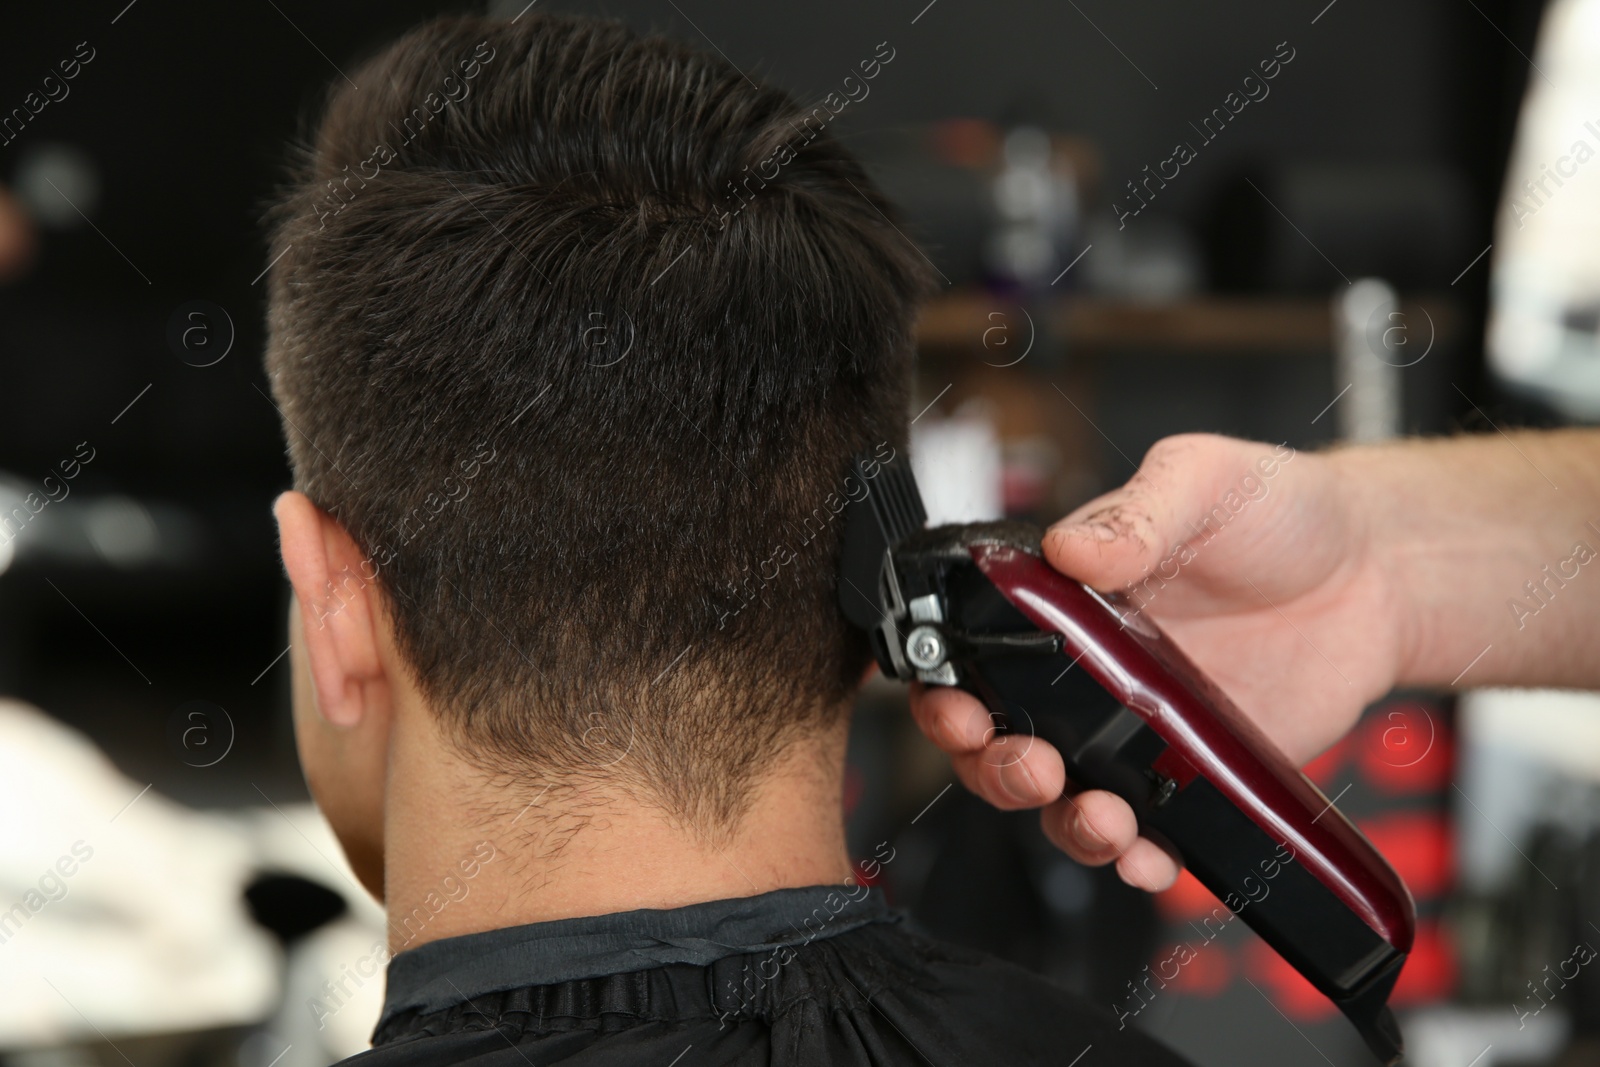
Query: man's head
column 574, row 332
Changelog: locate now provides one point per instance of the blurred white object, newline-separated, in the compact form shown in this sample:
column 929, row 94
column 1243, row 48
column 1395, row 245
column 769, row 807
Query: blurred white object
column 1544, row 318
column 956, row 461
column 1558, row 726
column 122, row 531
column 333, row 984
column 120, row 911
column 1036, row 208
column 1522, row 750
column 333, row 994
column 59, row 183
column 1367, row 361
column 1156, row 262
column 1450, row 1036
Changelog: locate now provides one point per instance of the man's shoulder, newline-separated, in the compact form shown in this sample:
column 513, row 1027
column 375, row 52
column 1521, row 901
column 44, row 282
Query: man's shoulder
column 1017, row 1015
column 881, row 994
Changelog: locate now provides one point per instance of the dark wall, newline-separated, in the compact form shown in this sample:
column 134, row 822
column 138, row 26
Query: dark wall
column 1369, row 81
column 182, row 114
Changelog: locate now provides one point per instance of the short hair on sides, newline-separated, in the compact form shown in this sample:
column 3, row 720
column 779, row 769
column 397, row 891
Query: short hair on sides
column 590, row 430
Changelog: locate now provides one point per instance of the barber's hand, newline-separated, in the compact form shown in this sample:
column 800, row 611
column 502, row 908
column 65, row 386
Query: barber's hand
column 1260, row 564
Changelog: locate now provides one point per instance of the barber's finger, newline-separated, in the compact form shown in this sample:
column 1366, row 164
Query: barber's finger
column 954, row 720
column 1009, row 787
column 1094, row 827
column 1119, row 537
column 1013, row 777
column 1147, row 866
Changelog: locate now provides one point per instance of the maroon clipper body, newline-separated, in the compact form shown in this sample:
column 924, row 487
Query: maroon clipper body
column 976, row 607
column 1205, row 733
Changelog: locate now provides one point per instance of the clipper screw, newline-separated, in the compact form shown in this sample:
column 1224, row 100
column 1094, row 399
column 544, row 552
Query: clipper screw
column 925, row 648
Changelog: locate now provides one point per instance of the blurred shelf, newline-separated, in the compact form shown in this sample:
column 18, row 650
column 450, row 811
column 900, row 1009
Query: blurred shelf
column 1211, row 325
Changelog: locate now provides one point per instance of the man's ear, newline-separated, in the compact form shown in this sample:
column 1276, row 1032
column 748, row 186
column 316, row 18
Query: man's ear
column 339, row 610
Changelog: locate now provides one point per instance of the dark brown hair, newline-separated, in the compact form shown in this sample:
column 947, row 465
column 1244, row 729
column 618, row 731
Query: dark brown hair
column 591, row 426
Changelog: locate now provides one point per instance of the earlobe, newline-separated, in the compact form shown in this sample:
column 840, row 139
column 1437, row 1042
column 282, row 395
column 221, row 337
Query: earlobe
column 336, row 604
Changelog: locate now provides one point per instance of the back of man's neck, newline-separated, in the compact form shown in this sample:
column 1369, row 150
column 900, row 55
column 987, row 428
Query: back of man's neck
column 458, row 861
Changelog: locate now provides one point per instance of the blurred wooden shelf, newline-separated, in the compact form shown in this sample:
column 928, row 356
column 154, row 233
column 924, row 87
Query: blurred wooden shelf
column 1211, row 325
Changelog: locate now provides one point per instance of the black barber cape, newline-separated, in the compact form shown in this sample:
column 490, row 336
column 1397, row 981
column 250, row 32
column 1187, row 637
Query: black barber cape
column 794, row 977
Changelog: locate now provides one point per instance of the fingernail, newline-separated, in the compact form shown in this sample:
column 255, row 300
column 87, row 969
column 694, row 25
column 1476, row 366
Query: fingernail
column 1019, row 784
column 946, row 734
column 1087, row 835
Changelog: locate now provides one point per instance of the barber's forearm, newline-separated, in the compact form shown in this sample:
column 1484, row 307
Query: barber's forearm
column 1492, row 543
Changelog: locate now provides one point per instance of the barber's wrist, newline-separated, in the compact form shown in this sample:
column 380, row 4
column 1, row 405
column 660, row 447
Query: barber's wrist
column 1370, row 483
column 1452, row 526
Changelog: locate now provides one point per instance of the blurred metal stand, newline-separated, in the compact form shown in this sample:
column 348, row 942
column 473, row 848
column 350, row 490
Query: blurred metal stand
column 1368, row 325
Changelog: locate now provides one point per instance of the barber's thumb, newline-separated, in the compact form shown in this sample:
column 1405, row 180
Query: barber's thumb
column 1106, row 544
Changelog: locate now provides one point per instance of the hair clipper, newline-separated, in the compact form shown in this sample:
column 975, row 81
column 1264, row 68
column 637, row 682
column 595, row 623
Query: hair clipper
column 976, row 607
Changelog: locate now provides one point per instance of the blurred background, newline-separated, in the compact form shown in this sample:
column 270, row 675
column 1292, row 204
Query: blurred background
column 1297, row 223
